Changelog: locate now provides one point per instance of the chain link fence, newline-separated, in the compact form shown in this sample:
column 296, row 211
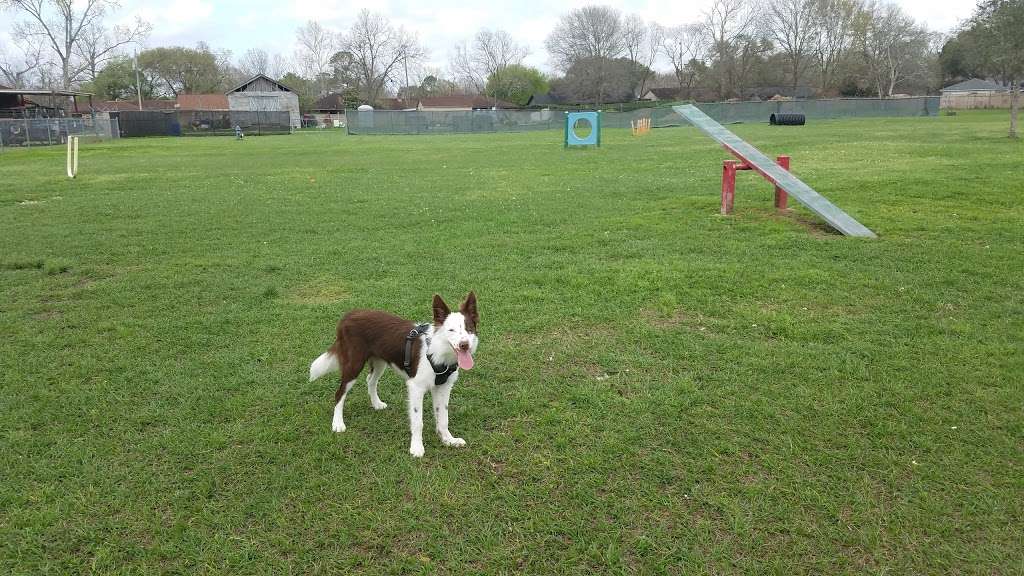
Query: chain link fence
column 472, row 121
column 52, row 131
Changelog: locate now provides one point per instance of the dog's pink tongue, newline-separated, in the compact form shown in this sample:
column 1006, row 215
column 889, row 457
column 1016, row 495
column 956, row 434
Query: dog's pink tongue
column 465, row 359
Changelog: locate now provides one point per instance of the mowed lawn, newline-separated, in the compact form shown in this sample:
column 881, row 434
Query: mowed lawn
column 658, row 390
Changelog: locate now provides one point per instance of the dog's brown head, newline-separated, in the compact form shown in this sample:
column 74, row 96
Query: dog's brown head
column 458, row 328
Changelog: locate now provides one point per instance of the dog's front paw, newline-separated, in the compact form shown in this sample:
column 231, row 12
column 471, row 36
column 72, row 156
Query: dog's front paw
column 454, row 442
column 379, row 405
column 337, row 427
column 416, row 450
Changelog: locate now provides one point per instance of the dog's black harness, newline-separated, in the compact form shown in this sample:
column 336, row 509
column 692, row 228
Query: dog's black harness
column 442, row 371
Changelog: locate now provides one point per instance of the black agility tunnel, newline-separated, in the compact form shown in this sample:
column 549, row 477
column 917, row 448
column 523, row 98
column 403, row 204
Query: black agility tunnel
column 787, row 120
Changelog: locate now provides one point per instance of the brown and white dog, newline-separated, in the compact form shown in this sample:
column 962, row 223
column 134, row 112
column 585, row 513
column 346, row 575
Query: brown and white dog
column 427, row 357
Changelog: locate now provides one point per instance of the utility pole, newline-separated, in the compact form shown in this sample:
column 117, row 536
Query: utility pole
column 138, row 85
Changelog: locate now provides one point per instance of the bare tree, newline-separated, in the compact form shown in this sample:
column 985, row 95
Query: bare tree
column 462, row 68
column 683, row 46
column 61, row 25
column 316, row 47
column 832, row 36
column 17, row 66
column 254, row 61
column 378, row 50
column 588, row 32
column 490, row 52
column 588, row 39
column 97, row 45
column 892, row 46
column 494, row 50
column 791, row 25
column 642, row 42
column 731, row 31
column 279, row 66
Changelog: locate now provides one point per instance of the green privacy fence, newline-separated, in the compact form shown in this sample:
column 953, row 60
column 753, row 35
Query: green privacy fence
column 467, row 122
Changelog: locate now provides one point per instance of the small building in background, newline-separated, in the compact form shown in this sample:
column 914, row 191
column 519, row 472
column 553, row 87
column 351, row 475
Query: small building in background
column 329, row 110
column 26, row 103
column 758, row 93
column 974, row 86
column 264, row 94
column 974, row 93
column 662, row 95
column 461, row 103
column 395, row 104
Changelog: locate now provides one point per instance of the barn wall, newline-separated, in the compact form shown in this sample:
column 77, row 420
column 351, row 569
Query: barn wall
column 261, row 85
column 267, row 101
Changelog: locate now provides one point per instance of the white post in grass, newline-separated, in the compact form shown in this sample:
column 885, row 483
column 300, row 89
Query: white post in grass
column 72, row 156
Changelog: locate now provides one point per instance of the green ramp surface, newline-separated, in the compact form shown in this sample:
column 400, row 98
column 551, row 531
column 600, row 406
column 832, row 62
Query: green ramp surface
column 776, row 174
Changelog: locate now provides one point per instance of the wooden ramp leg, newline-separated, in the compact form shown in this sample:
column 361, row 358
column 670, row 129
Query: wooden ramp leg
column 728, row 185
column 781, row 198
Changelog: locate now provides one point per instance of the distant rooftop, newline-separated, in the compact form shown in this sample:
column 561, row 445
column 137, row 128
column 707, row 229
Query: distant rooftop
column 975, row 85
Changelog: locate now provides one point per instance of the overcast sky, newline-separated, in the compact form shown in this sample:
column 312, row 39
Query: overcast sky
column 237, row 25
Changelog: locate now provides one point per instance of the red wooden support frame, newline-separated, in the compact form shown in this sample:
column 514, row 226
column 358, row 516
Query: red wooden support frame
column 729, row 168
column 728, row 185
column 781, row 198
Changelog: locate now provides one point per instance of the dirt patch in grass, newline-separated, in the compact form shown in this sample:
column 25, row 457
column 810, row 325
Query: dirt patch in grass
column 677, row 318
column 813, row 224
column 318, row 291
column 47, row 315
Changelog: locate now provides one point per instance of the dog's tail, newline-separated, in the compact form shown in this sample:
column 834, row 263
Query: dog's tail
column 325, row 363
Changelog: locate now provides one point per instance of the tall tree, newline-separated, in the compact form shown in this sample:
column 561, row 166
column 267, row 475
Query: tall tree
column 19, row 65
column 587, row 32
column 516, row 84
column 731, row 28
column 97, row 45
column 590, row 80
column 117, row 81
column 488, row 53
column 279, row 66
column 379, row 50
column 833, row 27
column 316, row 46
column 994, row 40
column 433, row 85
column 181, row 70
column 791, row 26
column 892, row 45
column 642, row 42
column 254, row 61
column 684, row 46
column 591, row 37
column 63, row 26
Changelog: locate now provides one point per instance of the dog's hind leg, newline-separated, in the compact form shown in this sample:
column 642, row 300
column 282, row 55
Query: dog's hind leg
column 377, row 367
column 350, row 369
column 338, row 422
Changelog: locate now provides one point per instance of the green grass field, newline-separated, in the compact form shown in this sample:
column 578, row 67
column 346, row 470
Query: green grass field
column 658, row 390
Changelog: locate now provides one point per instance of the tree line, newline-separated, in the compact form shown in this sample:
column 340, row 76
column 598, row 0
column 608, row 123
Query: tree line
column 598, row 55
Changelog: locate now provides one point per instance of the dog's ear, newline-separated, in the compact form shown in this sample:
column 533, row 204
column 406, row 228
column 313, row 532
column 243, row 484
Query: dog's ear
column 468, row 310
column 441, row 310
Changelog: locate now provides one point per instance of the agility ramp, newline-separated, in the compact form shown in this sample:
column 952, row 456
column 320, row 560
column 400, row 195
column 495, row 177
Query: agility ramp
column 774, row 173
